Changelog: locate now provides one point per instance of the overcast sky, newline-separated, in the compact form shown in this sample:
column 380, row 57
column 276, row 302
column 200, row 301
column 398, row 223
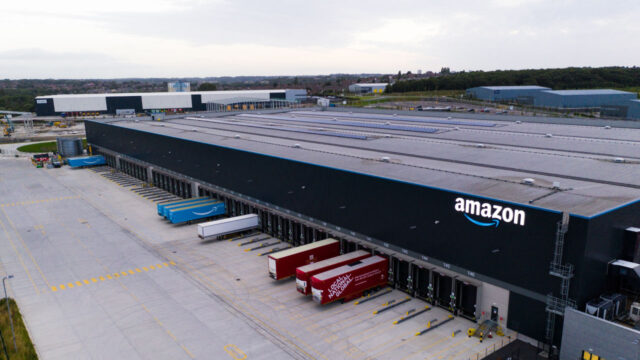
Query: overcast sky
column 176, row 38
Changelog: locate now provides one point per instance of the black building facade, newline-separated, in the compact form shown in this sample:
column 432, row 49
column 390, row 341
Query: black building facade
column 507, row 244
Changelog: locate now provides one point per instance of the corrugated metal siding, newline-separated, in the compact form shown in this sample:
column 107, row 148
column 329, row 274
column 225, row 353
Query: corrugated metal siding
column 166, row 101
column 80, row 103
column 259, row 94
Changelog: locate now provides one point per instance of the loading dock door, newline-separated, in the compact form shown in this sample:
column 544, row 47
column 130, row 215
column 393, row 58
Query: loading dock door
column 402, row 283
column 422, row 283
column 466, row 299
column 443, row 289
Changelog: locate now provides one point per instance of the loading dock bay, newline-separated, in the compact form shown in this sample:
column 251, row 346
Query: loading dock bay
column 207, row 299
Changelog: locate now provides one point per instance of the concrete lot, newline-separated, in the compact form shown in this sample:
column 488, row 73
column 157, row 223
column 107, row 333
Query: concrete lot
column 99, row 275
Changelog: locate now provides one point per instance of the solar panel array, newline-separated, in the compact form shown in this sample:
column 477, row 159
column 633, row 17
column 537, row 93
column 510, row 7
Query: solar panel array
column 348, row 123
column 402, row 118
column 298, row 130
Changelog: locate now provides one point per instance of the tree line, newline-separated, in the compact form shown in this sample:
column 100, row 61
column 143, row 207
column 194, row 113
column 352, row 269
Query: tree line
column 557, row 79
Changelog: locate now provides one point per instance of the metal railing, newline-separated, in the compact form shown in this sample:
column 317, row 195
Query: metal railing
column 506, row 340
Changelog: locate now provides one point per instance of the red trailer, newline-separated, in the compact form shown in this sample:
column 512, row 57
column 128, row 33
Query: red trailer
column 283, row 264
column 304, row 273
column 349, row 281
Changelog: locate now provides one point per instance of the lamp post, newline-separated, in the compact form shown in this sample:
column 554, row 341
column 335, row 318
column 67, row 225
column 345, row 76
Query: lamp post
column 6, row 299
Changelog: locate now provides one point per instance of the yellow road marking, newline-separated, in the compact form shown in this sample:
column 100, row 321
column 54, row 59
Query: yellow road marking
column 151, row 267
column 103, row 278
column 70, row 285
column 159, row 266
column 172, row 262
column 235, row 352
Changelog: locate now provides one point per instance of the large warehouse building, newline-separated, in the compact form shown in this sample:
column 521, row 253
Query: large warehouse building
column 506, row 221
column 141, row 102
column 577, row 99
column 523, row 94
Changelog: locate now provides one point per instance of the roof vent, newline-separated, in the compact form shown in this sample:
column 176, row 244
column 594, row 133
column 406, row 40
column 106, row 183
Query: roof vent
column 619, row 160
column 528, row 181
column 607, row 127
column 387, row 123
column 482, row 146
column 335, row 119
column 296, row 145
column 518, row 122
column 449, row 117
column 385, row 159
column 350, row 112
column 556, row 185
column 456, row 128
column 387, row 135
column 236, row 136
column 548, row 135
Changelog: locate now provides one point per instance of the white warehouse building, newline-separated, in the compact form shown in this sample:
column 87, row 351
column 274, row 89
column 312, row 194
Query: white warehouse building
column 49, row 105
column 364, row 88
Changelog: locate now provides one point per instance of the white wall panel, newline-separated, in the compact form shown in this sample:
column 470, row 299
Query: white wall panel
column 80, row 103
column 166, row 101
column 254, row 94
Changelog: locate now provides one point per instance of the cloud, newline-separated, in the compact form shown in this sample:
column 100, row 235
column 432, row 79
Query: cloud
column 223, row 37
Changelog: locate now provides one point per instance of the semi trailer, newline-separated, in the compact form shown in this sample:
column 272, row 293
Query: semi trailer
column 349, row 281
column 283, row 264
column 196, row 212
column 83, row 161
column 304, row 273
column 162, row 205
column 228, row 226
column 168, row 208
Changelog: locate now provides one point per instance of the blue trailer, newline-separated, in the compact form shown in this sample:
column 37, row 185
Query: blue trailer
column 167, row 209
column 82, row 161
column 161, row 206
column 196, row 212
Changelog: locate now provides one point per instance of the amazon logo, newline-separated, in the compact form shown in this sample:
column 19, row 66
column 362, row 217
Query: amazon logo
column 491, row 214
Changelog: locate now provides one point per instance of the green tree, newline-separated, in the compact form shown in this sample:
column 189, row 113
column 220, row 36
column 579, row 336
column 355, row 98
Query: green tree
column 207, row 87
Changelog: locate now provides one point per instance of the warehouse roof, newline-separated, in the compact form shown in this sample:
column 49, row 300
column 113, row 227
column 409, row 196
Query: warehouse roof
column 588, row 92
column 585, row 170
column 517, row 87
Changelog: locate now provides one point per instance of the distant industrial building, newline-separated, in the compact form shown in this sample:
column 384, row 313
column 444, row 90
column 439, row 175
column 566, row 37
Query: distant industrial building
column 610, row 103
column 126, row 103
column 522, row 94
column 580, row 99
column 364, row 88
column 179, row 86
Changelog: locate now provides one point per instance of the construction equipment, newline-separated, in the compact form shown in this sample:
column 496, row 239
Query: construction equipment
column 8, row 126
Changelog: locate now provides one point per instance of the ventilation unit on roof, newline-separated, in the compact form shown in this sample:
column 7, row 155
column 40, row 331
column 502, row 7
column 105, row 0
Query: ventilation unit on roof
column 236, row 136
column 548, row 135
column 456, row 128
column 518, row 122
column 449, row 117
column 482, row 146
column 334, row 119
column 619, row 160
column 528, row 181
column 395, row 114
column 607, row 127
column 387, row 123
column 350, row 112
column 297, row 146
column 386, row 135
column 385, row 159
column 556, row 185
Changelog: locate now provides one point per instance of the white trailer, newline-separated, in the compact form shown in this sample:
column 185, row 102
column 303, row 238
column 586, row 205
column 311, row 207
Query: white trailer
column 228, row 226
